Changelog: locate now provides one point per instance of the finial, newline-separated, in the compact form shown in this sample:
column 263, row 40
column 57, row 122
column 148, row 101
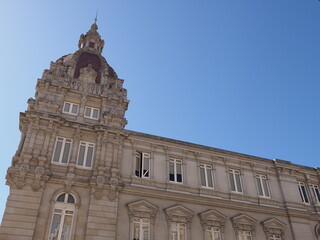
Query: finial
column 96, row 18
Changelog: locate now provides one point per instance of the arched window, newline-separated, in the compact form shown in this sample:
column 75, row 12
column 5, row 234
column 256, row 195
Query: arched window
column 62, row 219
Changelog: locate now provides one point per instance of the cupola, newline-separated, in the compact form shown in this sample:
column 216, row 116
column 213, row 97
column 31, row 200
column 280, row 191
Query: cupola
column 91, row 40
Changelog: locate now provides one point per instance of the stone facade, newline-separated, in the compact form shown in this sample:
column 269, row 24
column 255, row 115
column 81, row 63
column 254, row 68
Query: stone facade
column 79, row 175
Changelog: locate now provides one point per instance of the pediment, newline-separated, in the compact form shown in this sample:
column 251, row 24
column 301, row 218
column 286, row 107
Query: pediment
column 274, row 223
column 179, row 210
column 244, row 219
column 213, row 215
column 142, row 206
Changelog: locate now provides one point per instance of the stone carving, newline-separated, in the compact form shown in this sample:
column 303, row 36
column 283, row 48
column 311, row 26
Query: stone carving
column 112, row 194
column 38, row 172
column 99, row 189
column 88, row 74
column 115, row 118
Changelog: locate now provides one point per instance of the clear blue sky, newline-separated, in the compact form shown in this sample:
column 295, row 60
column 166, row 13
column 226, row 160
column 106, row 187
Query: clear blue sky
column 237, row 75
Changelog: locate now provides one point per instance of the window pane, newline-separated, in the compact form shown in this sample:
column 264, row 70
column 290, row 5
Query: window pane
column 265, row 187
column 145, row 230
column 54, row 232
column 209, row 176
column 66, row 107
column 259, row 186
column 70, row 199
column 238, row 182
column 81, row 155
column 136, row 231
column 74, row 109
column 233, row 187
column 182, row 233
column 179, row 171
column 89, row 157
column 57, row 151
column 202, row 177
column 95, row 113
column 317, row 194
column 171, row 171
column 88, row 112
column 66, row 230
column 146, row 166
column 304, row 193
column 61, row 197
column 66, row 151
column 138, row 164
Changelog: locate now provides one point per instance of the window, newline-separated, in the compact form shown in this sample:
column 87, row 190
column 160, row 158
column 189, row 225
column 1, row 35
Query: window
column 178, row 231
column 245, row 235
column 235, row 181
column 70, row 108
column 141, row 229
column 206, row 175
column 85, row 154
column 142, row 165
column 213, row 233
column 91, row 113
column 262, row 184
column 179, row 222
column 62, row 150
column 315, row 193
column 274, row 237
column 303, row 192
column 175, row 170
column 61, row 223
column 142, row 214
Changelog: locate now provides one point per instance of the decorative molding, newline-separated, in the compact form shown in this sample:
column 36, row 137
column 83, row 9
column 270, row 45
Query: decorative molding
column 273, row 226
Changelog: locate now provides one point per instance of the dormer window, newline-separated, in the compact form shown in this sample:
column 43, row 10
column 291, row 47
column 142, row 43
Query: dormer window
column 91, row 44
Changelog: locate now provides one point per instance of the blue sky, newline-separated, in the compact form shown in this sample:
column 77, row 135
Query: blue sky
column 237, row 75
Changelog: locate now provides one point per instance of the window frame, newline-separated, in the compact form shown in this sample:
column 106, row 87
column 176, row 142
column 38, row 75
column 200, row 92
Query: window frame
column 234, row 173
column 64, row 207
column 141, row 223
column 175, row 161
column 206, row 167
column 315, row 192
column 178, row 226
column 91, row 112
column 142, row 157
column 64, row 141
column 85, row 157
column 274, row 237
column 70, row 110
column 260, row 178
column 245, row 234
column 303, row 193
column 213, row 231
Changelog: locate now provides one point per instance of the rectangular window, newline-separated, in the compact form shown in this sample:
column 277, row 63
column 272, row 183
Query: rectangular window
column 91, row 112
column 303, row 192
column 141, row 229
column 262, row 184
column 85, row 154
column 213, row 233
column 315, row 193
column 206, row 175
column 62, row 150
column 142, row 165
column 245, row 235
column 70, row 108
column 61, row 224
column 235, row 181
column 175, row 170
column 178, row 231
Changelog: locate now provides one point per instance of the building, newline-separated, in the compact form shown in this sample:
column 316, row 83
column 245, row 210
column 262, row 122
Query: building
column 79, row 175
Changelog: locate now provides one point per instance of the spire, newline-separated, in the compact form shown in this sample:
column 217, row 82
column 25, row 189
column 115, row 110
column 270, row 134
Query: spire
column 92, row 40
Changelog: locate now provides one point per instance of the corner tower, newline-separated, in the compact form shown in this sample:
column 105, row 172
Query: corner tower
column 64, row 179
